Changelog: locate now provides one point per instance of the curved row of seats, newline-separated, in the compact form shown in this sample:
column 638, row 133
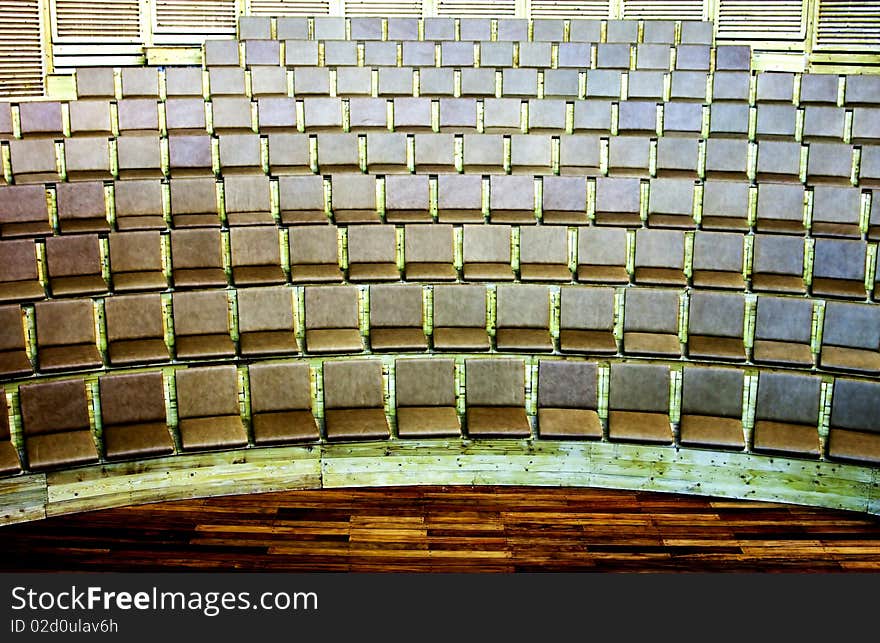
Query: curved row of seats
column 654, row 322
column 220, row 407
column 28, row 211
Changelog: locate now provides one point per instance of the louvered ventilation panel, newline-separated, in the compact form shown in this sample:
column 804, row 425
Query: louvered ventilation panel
column 96, row 22
column 487, row 9
column 21, row 63
column 382, row 8
column 848, row 26
column 290, row 7
column 653, row 10
column 194, row 16
column 570, row 8
column 761, row 21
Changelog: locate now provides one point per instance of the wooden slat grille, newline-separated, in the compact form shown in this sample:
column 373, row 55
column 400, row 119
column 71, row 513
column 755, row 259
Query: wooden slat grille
column 381, row 8
column 848, row 26
column 104, row 21
column 653, row 10
column 757, row 21
column 195, row 16
column 570, row 8
column 290, row 7
column 486, row 8
column 21, row 61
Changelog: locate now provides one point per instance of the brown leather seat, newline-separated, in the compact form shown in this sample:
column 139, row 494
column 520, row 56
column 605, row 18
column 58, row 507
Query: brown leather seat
column 783, row 331
column 715, row 326
column 24, row 211
column 396, row 318
column 266, row 322
column 586, row 323
column 33, row 160
column 353, row 197
column 135, row 332
column 256, row 256
column 460, row 318
column 787, row 414
column 671, row 202
column 55, row 421
column 854, row 411
column 650, row 322
column 9, row 461
column 725, row 205
column 354, row 401
column 851, row 337
column 133, row 416
column 712, row 408
column 718, row 260
column 638, row 404
column 372, row 253
column 459, row 197
column 139, row 205
column 486, row 253
column 208, row 409
column 839, row 268
column 617, row 201
column 568, row 400
column 564, row 200
column 512, row 198
column 544, row 254
column 74, row 265
column 81, row 207
column 428, row 252
column 194, row 203
column 496, row 398
column 407, row 199
column 602, row 256
column 13, row 354
column 281, row 403
column 425, row 398
column 136, row 261
column 523, row 318
column 778, row 264
column 314, row 254
column 248, row 200
column 19, row 275
column 332, row 320
column 201, row 325
column 301, row 198
column 659, row 259
column 197, row 258
column 66, row 335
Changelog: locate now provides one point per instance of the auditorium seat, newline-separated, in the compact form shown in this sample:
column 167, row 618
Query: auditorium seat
column 839, row 268
column 547, row 115
column 220, row 53
column 500, row 116
column 425, row 398
column 55, row 423
column 460, row 198
column 670, row 204
column 301, row 200
column 628, row 156
column 787, row 413
column 190, row 155
column 240, row 155
column 728, row 158
column 564, row 200
column 281, row 403
column 266, row 321
column 718, row 260
column 81, row 208
column 638, row 404
column 136, row 261
column 429, row 252
column 725, row 206
column 386, row 152
column 483, row 153
column 460, row 318
column 779, row 161
column 14, row 360
column 830, row 163
column 256, row 256
column 544, row 254
column 364, row 113
column 407, row 199
column 289, row 154
column 355, row 82
column 659, row 258
column 396, row 318
column 354, row 400
column 778, row 264
column 650, row 322
column 73, row 265
column 66, row 338
column 851, row 338
column 338, row 152
column 602, row 256
column 496, row 398
column 19, row 274
column 332, row 320
column 194, row 203
column 353, row 199
column 617, row 201
column 133, row 416
column 183, row 81
column 780, row 208
column 185, row 115
column 531, row 154
column 587, row 320
column 712, row 408
column 277, row 113
column 92, row 82
column 135, row 330
column 512, row 199
column 24, row 211
column 568, row 400
column 372, row 253
column 853, row 431
column 41, row 118
column 836, row 211
column 139, row 156
column 87, row 157
column 783, row 331
column 486, row 253
column 139, row 116
column 139, row 205
column 314, row 254
column 33, row 160
column 579, row 154
column 201, row 325
column 208, row 410
column 197, row 258
column 715, row 326
column 9, row 460
column 523, row 319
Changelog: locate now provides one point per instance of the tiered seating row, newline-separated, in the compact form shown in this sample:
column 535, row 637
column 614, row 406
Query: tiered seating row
column 152, row 413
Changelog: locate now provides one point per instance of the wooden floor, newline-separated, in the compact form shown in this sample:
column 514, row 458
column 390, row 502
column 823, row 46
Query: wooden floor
column 469, row 529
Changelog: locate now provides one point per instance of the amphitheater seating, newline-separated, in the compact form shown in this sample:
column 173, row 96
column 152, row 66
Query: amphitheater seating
column 443, row 231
